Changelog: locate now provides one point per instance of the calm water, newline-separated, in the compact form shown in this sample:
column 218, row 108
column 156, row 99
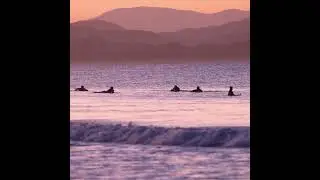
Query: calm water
column 173, row 136
column 143, row 96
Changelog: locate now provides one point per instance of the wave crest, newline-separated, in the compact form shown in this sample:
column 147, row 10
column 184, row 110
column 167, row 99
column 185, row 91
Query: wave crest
column 236, row 137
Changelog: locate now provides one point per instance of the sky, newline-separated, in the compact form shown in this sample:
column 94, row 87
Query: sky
column 85, row 9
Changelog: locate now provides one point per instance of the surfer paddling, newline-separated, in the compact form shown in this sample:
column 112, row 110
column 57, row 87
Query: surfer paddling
column 197, row 90
column 81, row 89
column 110, row 91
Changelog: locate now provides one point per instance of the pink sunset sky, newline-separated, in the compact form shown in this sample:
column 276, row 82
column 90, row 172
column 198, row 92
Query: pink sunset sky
column 85, row 9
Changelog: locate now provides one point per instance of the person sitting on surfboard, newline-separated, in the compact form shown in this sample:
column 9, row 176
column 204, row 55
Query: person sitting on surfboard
column 81, row 89
column 110, row 90
column 197, row 90
column 230, row 93
column 175, row 89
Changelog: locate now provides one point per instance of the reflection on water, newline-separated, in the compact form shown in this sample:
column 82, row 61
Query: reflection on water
column 142, row 94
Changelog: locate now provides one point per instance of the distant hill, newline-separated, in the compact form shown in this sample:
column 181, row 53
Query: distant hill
column 96, row 24
column 233, row 32
column 168, row 20
column 96, row 51
column 101, row 41
column 99, row 30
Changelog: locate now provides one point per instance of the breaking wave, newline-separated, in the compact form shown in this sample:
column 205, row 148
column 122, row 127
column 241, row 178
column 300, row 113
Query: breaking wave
column 233, row 137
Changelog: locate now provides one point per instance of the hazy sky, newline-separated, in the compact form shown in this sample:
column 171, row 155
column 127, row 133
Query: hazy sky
column 84, row 9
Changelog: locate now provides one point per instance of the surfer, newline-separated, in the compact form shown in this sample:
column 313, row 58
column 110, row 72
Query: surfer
column 175, row 89
column 230, row 93
column 81, row 89
column 110, row 91
column 197, row 90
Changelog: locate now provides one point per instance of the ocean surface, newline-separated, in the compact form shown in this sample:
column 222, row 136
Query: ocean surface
column 144, row 131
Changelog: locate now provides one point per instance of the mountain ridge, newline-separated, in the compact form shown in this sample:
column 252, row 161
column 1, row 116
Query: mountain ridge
column 100, row 44
column 158, row 19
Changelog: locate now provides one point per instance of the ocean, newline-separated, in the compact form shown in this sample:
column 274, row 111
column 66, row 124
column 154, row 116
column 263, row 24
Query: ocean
column 144, row 131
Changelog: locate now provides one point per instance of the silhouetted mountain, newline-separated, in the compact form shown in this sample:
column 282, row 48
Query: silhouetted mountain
column 103, row 31
column 104, row 42
column 96, row 24
column 233, row 32
column 168, row 20
column 96, row 51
